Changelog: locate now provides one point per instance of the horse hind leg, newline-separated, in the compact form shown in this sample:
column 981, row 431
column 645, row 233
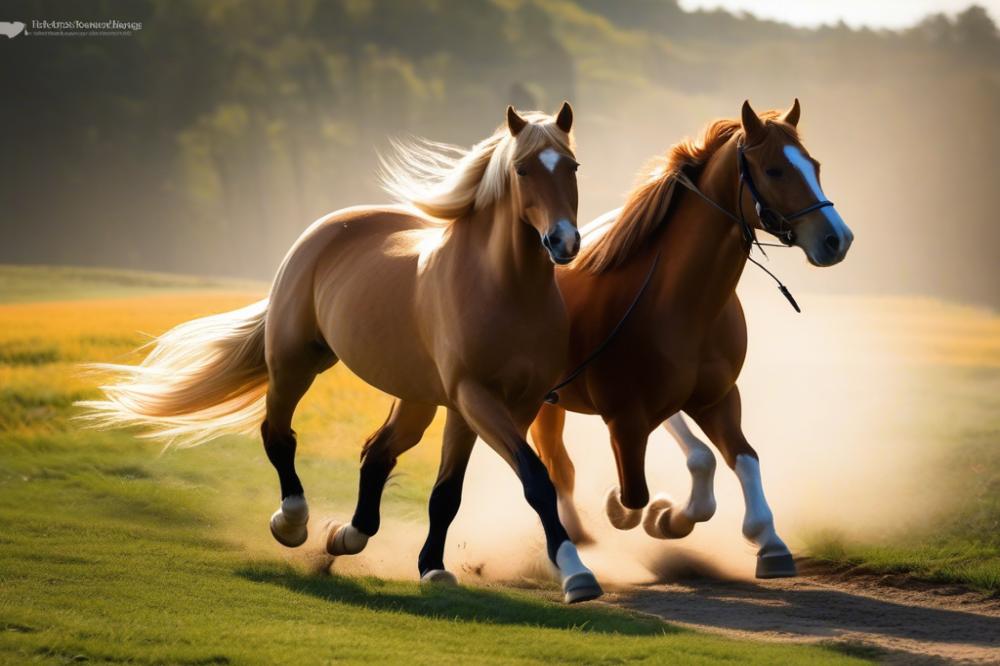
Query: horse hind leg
column 547, row 435
column 289, row 377
column 401, row 431
column 662, row 521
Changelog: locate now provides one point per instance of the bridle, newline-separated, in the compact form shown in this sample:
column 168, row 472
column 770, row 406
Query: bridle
column 773, row 222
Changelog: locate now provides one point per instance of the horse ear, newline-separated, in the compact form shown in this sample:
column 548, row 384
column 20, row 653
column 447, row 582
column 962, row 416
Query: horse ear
column 515, row 123
column 753, row 127
column 792, row 115
column 564, row 120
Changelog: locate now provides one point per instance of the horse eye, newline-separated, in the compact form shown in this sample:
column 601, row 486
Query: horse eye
column 522, row 171
column 774, row 172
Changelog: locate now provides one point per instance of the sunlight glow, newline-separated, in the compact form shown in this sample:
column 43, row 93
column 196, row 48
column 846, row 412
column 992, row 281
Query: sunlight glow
column 891, row 14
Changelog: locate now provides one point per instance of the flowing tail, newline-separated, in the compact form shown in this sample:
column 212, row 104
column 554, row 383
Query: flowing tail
column 204, row 378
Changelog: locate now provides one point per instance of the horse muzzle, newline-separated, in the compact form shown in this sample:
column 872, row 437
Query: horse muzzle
column 825, row 238
column 562, row 242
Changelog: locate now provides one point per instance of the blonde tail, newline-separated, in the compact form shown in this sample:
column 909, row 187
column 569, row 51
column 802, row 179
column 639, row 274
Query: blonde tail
column 204, row 378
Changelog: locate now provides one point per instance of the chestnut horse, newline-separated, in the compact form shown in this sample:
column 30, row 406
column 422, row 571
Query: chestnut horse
column 449, row 302
column 671, row 259
column 684, row 343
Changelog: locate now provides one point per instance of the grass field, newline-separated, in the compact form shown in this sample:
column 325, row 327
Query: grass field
column 952, row 425
column 960, row 541
column 113, row 552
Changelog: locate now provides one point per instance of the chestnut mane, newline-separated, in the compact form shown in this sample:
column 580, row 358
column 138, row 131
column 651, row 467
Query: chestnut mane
column 647, row 205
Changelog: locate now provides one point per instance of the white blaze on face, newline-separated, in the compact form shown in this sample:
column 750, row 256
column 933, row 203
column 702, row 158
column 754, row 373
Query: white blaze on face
column 805, row 167
column 550, row 158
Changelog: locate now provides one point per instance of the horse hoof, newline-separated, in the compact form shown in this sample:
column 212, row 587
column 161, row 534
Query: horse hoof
column 581, row 587
column 289, row 524
column 345, row 539
column 656, row 521
column 439, row 577
column 776, row 566
column 619, row 515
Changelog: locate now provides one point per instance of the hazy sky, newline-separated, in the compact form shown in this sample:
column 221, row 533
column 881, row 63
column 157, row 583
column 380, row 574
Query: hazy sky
column 856, row 13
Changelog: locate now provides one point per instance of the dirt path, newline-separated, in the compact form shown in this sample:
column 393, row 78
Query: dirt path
column 914, row 622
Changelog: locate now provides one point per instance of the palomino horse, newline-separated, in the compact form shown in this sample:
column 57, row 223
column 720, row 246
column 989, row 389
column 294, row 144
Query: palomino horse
column 683, row 346
column 671, row 259
column 450, row 302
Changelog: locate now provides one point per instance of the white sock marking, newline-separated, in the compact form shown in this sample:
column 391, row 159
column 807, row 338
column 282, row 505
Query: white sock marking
column 758, row 524
column 701, row 463
column 568, row 561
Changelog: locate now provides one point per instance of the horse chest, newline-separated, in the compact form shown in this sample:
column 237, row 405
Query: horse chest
column 518, row 358
column 651, row 378
column 515, row 351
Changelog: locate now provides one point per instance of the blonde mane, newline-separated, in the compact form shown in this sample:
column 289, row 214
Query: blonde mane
column 647, row 205
column 449, row 182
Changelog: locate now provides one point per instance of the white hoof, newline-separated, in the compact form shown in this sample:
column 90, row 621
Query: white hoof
column 439, row 577
column 621, row 517
column 578, row 582
column 345, row 540
column 656, row 522
column 289, row 523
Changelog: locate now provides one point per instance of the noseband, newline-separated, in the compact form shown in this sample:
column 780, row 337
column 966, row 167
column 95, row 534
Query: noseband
column 771, row 220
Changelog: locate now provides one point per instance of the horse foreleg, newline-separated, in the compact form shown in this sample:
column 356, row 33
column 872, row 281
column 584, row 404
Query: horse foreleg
column 493, row 421
column 402, row 431
column 662, row 520
column 623, row 505
column 547, row 435
column 446, row 498
column 721, row 422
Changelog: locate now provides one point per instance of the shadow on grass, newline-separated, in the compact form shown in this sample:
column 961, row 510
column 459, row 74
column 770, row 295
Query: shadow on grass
column 812, row 611
column 456, row 603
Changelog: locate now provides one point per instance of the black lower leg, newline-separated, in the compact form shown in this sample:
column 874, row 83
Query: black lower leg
column 541, row 495
column 445, row 500
column 375, row 470
column 280, row 450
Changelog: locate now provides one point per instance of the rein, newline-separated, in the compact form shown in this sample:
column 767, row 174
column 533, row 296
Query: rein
column 552, row 397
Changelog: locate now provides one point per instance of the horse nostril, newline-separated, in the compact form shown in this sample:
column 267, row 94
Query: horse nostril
column 832, row 242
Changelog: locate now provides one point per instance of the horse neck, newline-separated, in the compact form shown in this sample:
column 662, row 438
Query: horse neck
column 513, row 254
column 704, row 251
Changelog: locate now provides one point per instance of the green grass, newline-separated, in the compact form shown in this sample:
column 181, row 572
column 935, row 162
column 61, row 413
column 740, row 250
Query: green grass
column 113, row 552
column 959, row 542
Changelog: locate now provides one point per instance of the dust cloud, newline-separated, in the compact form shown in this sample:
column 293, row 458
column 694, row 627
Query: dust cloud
column 842, row 403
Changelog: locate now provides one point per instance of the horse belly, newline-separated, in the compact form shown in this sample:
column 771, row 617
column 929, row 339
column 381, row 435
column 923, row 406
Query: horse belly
column 365, row 312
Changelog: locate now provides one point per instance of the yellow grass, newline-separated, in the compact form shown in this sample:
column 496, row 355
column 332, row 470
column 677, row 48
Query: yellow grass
column 44, row 345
